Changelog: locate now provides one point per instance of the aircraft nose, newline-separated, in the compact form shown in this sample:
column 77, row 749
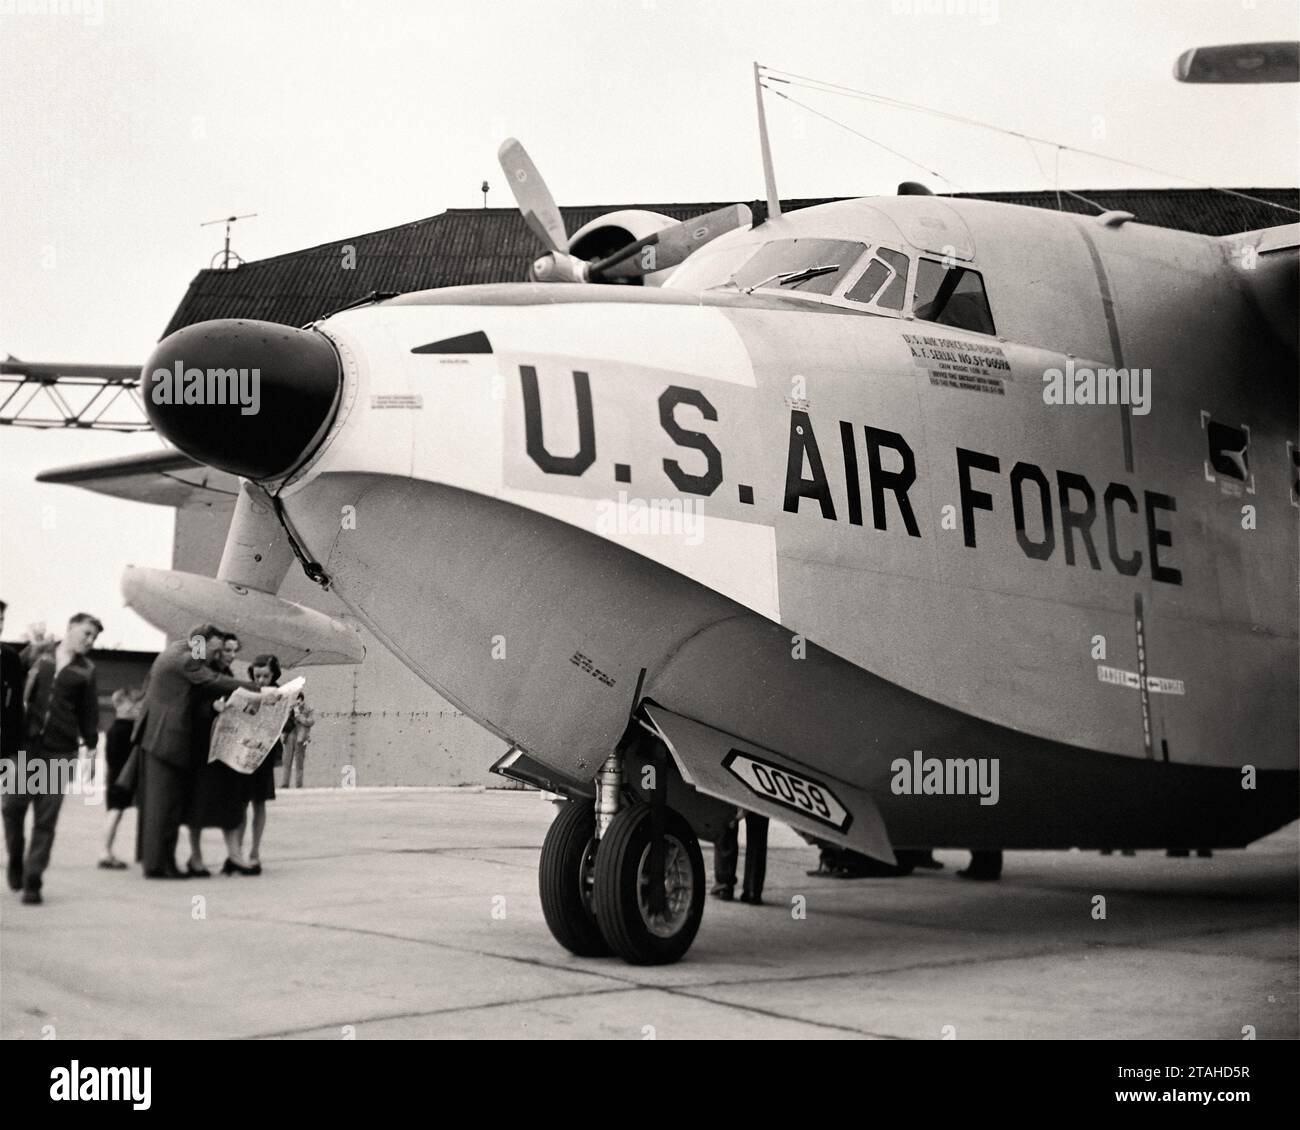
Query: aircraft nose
column 252, row 398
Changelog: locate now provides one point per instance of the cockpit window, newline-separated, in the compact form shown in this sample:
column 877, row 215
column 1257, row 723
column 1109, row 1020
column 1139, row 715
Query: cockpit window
column 892, row 296
column 951, row 296
column 873, row 278
column 811, row 266
column 884, row 281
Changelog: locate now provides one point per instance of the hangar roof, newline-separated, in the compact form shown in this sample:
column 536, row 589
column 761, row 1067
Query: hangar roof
column 482, row 245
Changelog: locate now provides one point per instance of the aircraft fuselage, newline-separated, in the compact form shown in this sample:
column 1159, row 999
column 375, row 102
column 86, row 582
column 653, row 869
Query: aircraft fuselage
column 847, row 534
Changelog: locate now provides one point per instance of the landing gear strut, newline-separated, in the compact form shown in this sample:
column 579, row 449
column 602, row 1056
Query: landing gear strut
column 623, row 876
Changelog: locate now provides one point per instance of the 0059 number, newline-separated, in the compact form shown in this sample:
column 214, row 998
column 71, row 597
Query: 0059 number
column 790, row 789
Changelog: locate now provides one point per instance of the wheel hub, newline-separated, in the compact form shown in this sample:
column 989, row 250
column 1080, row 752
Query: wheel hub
column 679, row 889
column 587, row 875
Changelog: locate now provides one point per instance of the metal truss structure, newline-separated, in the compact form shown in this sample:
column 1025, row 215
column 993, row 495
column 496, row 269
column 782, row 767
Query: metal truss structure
column 39, row 394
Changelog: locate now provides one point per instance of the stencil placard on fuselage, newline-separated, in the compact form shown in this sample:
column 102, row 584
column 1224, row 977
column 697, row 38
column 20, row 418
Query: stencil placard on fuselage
column 976, row 366
column 1156, row 684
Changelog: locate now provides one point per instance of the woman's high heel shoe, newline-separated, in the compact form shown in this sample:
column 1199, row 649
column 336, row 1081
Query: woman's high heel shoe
column 230, row 867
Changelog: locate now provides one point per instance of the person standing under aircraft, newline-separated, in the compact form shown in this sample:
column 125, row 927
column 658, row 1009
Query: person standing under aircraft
column 164, row 734
column 61, row 705
column 986, row 865
column 726, row 854
column 296, row 741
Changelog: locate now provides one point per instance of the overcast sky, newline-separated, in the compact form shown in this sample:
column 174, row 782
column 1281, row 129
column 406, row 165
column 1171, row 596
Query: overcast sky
column 122, row 129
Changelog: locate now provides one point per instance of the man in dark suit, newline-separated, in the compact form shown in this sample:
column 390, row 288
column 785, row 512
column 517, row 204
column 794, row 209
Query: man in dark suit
column 165, row 737
column 726, row 854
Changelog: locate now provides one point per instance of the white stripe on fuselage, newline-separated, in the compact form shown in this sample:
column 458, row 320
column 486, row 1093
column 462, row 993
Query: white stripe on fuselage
column 686, row 339
column 456, row 436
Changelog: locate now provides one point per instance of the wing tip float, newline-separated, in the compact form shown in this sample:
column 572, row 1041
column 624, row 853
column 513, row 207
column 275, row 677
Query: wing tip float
column 174, row 601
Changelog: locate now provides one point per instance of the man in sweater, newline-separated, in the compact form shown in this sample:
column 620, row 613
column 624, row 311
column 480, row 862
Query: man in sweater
column 61, row 705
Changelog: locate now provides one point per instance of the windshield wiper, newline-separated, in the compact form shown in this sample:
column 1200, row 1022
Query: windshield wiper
column 785, row 278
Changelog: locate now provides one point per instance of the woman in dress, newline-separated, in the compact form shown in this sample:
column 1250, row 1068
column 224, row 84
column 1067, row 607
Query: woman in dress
column 218, row 797
column 127, row 702
column 259, row 786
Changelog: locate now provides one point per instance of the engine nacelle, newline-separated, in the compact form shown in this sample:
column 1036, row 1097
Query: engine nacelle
column 606, row 234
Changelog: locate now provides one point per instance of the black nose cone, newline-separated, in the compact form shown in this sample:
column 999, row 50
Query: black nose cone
column 251, row 398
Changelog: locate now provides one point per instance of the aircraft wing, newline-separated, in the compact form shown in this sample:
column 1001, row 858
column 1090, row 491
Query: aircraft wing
column 164, row 478
column 1264, row 241
column 761, row 780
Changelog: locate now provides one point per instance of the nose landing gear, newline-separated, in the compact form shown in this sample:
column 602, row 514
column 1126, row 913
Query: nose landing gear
column 566, row 877
column 638, row 930
column 634, row 887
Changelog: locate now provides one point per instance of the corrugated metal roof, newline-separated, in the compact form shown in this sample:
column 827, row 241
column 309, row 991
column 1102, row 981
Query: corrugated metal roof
column 483, row 245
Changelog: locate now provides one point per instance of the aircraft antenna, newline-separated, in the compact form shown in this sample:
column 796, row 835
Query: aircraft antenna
column 859, row 133
column 769, row 177
column 823, row 87
column 227, row 256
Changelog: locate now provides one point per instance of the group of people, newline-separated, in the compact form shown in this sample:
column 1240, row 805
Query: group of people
column 156, row 752
column 175, row 783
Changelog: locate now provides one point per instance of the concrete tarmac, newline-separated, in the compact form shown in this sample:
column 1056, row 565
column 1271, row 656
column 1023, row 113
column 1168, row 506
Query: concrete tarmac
column 414, row 913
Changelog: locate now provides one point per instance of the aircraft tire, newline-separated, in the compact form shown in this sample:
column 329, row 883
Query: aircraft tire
column 622, row 865
column 564, row 868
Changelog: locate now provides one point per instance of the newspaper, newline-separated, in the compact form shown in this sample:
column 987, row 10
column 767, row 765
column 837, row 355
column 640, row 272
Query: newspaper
column 250, row 725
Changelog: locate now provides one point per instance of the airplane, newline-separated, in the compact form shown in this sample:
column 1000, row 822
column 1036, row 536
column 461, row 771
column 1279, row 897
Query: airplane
column 793, row 524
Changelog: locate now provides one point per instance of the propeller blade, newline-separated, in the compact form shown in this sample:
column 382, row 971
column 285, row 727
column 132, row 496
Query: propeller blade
column 667, row 248
column 531, row 194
